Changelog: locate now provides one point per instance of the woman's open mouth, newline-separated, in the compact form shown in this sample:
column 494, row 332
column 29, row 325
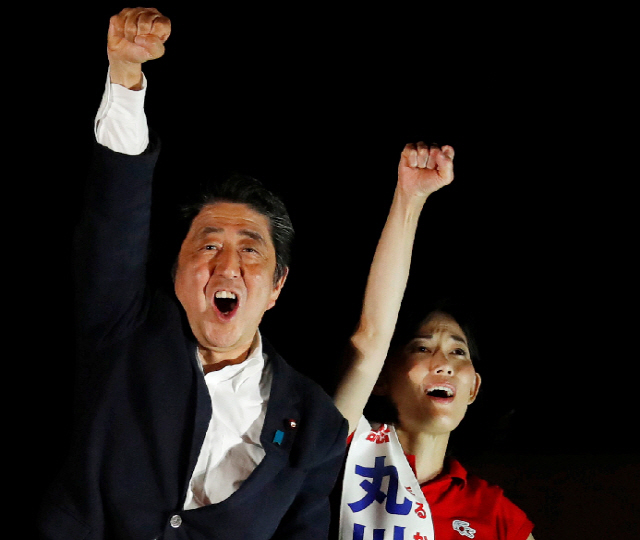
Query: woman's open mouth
column 443, row 393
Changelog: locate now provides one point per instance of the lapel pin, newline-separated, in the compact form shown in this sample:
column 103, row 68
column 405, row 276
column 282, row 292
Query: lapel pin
column 279, row 436
column 293, row 424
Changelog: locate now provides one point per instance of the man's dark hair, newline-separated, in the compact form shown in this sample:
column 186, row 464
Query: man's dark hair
column 243, row 189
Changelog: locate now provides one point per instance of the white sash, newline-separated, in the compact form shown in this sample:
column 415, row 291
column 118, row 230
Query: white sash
column 381, row 497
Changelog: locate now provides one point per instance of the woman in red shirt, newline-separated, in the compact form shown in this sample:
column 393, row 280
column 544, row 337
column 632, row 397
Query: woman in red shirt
column 430, row 379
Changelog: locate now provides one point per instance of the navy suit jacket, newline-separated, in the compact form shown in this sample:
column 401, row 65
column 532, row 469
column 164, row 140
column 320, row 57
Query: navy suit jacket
column 143, row 406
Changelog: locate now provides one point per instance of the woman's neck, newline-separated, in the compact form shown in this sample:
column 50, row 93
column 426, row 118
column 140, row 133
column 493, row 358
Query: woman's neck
column 429, row 451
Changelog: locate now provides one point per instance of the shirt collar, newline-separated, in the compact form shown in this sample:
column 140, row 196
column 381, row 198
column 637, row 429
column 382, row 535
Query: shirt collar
column 451, row 471
column 254, row 363
column 454, row 469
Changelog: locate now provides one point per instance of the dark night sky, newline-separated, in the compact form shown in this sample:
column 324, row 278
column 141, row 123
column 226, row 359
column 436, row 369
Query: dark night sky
column 319, row 110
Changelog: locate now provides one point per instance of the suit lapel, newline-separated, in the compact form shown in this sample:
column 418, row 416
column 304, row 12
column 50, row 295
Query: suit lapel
column 283, row 411
column 280, row 424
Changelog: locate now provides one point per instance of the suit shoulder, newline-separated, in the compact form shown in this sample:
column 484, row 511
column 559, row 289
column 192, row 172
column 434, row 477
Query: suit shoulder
column 323, row 423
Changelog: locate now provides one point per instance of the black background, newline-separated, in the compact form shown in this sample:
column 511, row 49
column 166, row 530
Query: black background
column 534, row 233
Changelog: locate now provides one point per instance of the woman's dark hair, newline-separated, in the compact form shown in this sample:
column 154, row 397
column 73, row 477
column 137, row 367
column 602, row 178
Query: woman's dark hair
column 243, row 189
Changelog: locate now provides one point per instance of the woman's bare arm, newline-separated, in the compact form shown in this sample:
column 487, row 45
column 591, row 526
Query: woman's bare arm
column 422, row 170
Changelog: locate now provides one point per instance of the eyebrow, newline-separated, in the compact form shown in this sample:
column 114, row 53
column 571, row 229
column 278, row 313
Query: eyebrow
column 455, row 337
column 458, row 338
column 244, row 232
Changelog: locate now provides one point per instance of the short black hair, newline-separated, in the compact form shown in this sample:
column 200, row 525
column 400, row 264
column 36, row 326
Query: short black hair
column 244, row 189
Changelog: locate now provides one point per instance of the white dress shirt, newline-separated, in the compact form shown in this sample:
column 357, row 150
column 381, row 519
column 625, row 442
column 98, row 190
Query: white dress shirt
column 232, row 448
column 239, row 393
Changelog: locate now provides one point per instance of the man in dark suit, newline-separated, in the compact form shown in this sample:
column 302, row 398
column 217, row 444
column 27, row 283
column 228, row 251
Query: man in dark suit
column 189, row 424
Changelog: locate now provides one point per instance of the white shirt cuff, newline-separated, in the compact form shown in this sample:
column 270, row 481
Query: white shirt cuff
column 121, row 123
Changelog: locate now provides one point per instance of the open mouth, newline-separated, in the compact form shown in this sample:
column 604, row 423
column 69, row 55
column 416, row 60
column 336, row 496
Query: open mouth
column 441, row 392
column 226, row 302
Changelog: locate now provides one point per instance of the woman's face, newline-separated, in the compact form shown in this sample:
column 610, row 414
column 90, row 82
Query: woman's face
column 434, row 380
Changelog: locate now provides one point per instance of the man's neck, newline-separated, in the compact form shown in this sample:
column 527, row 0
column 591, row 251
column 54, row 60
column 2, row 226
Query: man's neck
column 213, row 360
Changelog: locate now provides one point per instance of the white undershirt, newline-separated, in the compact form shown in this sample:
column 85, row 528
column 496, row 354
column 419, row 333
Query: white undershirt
column 239, row 393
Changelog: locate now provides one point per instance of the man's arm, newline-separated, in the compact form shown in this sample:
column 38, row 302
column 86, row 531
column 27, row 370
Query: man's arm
column 422, row 170
column 113, row 234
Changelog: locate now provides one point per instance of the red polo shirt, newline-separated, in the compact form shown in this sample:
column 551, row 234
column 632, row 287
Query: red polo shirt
column 465, row 506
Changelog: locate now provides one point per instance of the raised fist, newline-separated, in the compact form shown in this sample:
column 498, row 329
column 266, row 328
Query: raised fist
column 424, row 169
column 137, row 35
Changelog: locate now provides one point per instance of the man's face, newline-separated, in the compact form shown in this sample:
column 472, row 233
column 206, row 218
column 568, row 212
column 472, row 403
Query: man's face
column 225, row 277
column 435, row 381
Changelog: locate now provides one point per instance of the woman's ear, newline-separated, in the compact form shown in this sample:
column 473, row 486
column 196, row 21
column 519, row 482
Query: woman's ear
column 475, row 389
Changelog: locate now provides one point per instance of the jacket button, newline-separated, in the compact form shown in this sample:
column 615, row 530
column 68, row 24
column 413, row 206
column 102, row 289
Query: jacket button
column 175, row 521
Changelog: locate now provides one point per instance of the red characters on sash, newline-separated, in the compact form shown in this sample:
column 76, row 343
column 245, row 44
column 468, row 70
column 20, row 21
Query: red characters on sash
column 420, row 510
column 380, row 436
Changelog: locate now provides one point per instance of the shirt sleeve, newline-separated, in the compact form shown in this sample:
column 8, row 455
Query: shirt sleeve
column 121, row 123
column 513, row 523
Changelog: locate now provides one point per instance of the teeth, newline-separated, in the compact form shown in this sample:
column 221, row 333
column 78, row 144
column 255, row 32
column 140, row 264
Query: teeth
column 225, row 294
column 445, row 389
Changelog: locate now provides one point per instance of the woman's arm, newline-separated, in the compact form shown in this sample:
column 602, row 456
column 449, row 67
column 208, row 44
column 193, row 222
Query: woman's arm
column 422, row 170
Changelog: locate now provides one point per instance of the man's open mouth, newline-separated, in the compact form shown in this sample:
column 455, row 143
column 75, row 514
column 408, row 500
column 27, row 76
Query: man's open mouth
column 226, row 302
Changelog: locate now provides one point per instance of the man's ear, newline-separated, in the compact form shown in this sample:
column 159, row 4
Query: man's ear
column 277, row 288
column 475, row 389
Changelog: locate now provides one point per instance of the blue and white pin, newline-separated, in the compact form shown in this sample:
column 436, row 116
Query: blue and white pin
column 279, row 436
